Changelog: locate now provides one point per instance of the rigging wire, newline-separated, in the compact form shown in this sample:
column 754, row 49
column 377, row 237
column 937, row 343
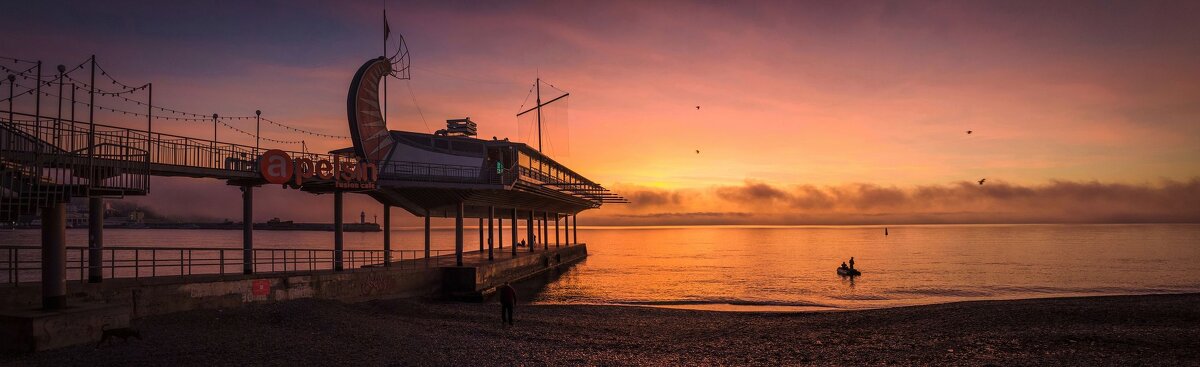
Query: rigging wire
column 414, row 99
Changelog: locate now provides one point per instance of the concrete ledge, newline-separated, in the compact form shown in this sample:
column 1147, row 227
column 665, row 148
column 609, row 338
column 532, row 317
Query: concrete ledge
column 38, row 330
column 115, row 302
column 476, row 283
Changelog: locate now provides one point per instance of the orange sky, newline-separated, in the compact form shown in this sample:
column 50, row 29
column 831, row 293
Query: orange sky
column 794, row 95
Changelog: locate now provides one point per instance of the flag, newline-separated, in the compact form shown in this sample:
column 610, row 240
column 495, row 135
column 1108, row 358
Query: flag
column 386, row 30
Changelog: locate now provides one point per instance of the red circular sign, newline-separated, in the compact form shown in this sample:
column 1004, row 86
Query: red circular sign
column 275, row 166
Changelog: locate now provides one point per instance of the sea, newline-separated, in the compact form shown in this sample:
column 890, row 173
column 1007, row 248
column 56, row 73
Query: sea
column 786, row 268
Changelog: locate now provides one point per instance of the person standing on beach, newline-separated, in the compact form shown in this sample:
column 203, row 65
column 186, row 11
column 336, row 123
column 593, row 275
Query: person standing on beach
column 508, row 299
column 852, row 262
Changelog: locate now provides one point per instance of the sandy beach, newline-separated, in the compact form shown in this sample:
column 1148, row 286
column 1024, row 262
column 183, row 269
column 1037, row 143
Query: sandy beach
column 1112, row 330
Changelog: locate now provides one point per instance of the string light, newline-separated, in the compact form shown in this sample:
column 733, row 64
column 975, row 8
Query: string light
column 125, row 89
column 304, row 131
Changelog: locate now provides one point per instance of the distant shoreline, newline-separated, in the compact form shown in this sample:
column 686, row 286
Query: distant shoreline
column 1095, row 331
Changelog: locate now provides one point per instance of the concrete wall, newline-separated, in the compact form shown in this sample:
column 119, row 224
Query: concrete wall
column 477, row 282
column 111, row 304
column 156, row 296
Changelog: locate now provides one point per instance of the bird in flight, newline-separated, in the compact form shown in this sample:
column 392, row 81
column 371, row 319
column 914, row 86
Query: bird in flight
column 697, row 151
column 981, row 180
column 697, row 107
column 968, row 132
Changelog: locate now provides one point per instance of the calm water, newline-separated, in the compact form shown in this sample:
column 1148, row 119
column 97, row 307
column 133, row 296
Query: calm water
column 794, row 267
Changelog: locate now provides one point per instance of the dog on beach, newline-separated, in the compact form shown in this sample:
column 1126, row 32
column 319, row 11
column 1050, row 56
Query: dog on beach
column 124, row 333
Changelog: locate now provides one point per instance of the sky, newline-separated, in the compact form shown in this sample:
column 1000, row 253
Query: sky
column 810, row 112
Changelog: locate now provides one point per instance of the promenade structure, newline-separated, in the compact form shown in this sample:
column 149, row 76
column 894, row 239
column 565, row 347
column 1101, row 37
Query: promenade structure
column 46, row 159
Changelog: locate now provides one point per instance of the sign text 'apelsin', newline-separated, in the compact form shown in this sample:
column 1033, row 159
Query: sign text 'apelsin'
column 278, row 168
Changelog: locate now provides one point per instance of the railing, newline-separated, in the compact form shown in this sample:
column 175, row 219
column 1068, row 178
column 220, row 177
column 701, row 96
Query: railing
column 586, row 191
column 162, row 149
column 418, row 171
column 22, row 264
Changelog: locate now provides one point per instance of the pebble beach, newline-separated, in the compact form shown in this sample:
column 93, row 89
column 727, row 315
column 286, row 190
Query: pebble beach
column 1096, row 331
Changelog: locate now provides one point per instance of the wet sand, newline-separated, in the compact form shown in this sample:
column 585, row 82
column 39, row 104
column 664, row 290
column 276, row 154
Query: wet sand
column 1116, row 330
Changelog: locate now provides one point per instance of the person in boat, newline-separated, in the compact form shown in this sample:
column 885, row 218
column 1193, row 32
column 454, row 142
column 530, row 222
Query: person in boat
column 852, row 263
column 844, row 265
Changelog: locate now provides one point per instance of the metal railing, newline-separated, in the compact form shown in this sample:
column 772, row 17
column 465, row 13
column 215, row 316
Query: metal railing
column 22, row 264
column 418, row 171
column 227, row 159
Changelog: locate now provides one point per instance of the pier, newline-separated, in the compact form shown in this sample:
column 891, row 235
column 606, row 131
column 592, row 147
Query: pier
column 48, row 159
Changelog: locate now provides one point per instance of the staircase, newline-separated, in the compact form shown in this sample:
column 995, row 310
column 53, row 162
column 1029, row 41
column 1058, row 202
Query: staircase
column 37, row 172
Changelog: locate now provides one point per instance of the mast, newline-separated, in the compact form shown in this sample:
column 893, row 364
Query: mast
column 538, row 108
column 538, row 85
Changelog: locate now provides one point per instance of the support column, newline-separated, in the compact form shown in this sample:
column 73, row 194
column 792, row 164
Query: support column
column 575, row 227
column 458, row 234
column 491, row 231
column 566, row 230
column 556, row 218
column 54, row 256
column 514, row 232
column 500, row 232
column 95, row 240
column 530, row 235
column 426, row 237
column 545, row 231
column 337, row 231
column 481, row 235
column 387, row 235
column 247, row 230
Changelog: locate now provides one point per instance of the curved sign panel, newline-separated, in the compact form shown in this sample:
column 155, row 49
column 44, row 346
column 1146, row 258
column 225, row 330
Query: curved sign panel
column 372, row 141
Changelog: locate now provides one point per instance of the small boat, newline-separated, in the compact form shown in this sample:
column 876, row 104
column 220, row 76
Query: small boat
column 848, row 272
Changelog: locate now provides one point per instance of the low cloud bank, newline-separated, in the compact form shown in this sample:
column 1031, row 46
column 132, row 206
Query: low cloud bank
column 756, row 202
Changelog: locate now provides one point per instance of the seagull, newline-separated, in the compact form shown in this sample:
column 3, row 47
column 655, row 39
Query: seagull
column 968, row 132
column 697, row 151
column 697, row 107
column 981, row 181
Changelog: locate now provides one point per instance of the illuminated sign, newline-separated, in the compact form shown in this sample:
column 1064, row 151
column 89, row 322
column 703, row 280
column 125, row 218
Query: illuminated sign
column 278, row 168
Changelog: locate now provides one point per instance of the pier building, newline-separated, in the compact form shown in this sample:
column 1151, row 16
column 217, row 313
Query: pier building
column 47, row 158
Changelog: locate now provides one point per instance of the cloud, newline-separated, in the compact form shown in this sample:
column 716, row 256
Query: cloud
column 756, row 202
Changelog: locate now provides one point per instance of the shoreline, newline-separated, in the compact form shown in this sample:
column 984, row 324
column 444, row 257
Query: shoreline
column 1160, row 329
column 785, row 307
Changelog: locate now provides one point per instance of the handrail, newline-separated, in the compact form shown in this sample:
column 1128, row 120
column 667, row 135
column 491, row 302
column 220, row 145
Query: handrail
column 22, row 263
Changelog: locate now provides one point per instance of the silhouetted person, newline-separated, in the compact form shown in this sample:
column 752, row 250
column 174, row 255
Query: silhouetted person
column 844, row 265
column 852, row 262
column 508, row 298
